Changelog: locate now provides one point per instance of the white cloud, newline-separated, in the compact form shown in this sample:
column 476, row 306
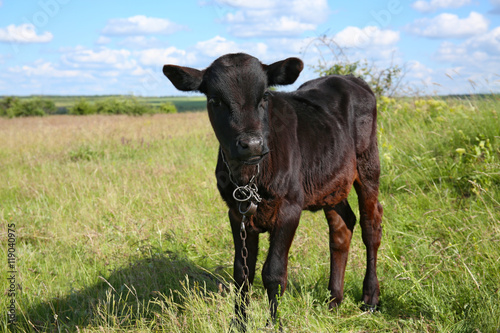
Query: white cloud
column 161, row 56
column 488, row 42
column 274, row 18
column 474, row 51
column 418, row 75
column 453, row 71
column 247, row 3
column 280, row 26
column 140, row 25
column 449, row 52
column 219, row 46
column 140, row 42
column 140, row 71
column 449, row 26
column 102, row 40
column 433, row 5
column 111, row 74
column 477, row 59
column 312, row 11
column 103, row 57
column 366, row 37
column 47, row 70
column 418, row 70
column 24, row 33
column 287, row 46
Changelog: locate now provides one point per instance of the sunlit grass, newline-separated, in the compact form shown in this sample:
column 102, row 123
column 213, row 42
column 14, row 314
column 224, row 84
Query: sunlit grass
column 120, row 227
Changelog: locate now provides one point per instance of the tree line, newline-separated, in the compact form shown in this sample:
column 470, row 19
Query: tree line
column 26, row 107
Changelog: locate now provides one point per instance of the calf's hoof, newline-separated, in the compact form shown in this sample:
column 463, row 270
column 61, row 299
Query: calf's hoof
column 237, row 326
column 334, row 302
column 271, row 326
column 370, row 308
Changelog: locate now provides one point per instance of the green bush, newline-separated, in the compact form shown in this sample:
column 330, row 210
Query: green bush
column 167, row 107
column 6, row 106
column 108, row 106
column 82, row 107
column 383, row 81
column 136, row 108
column 130, row 106
column 48, row 106
column 29, row 107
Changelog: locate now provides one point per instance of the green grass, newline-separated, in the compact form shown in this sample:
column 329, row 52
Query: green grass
column 120, row 227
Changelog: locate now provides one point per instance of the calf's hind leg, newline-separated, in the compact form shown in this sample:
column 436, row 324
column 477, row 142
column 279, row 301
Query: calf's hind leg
column 367, row 185
column 341, row 221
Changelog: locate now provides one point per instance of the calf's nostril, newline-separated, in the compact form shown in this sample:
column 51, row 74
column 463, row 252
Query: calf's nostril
column 244, row 144
column 250, row 145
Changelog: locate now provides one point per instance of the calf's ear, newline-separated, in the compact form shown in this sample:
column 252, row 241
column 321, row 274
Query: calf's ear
column 283, row 72
column 184, row 78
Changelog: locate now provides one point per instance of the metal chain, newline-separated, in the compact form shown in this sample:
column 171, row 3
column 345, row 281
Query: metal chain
column 231, row 174
column 247, row 197
column 247, row 192
column 244, row 251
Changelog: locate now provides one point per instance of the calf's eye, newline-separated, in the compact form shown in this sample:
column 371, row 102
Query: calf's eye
column 214, row 101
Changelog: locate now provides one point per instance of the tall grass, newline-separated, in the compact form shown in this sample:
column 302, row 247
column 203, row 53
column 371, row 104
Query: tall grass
column 120, row 227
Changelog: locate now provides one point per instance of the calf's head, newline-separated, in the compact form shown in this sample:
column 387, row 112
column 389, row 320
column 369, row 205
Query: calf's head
column 236, row 86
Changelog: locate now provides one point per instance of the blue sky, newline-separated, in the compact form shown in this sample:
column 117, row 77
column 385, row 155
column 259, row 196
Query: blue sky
column 71, row 47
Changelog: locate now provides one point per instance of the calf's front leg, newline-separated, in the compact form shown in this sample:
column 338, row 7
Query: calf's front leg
column 274, row 272
column 252, row 245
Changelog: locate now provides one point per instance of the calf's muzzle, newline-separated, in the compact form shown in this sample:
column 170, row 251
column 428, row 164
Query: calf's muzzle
column 251, row 149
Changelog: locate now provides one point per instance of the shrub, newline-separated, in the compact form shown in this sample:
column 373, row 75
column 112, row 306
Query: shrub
column 134, row 107
column 48, row 106
column 108, row 106
column 32, row 107
column 130, row 106
column 82, row 107
column 383, row 81
column 167, row 107
column 5, row 106
column 26, row 109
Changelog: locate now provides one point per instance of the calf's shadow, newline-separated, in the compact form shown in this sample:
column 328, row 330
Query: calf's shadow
column 136, row 284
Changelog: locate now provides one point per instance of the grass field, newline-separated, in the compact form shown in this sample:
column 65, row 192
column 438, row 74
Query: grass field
column 119, row 227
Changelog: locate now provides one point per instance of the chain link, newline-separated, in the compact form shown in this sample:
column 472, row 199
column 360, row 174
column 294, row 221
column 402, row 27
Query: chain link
column 246, row 193
column 244, row 251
